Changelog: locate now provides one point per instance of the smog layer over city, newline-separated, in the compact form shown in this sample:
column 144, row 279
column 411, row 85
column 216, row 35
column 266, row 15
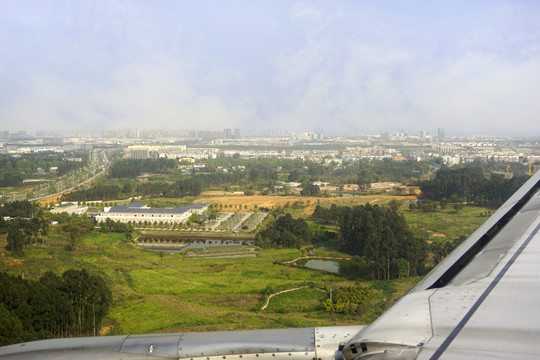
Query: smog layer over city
column 199, row 166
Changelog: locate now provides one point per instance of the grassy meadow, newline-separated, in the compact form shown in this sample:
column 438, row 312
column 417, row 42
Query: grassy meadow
column 447, row 224
column 176, row 293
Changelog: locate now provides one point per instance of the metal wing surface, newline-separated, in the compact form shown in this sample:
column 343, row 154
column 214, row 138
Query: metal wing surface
column 481, row 302
column 290, row 344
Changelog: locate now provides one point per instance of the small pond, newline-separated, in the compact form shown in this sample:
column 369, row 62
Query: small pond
column 326, row 265
column 348, row 268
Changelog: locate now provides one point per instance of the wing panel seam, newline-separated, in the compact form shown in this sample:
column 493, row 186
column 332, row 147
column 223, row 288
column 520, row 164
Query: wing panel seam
column 482, row 297
column 483, row 240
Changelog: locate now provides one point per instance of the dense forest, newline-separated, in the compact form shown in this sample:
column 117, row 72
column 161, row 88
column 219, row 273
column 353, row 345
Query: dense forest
column 366, row 172
column 73, row 304
column 24, row 209
column 184, row 187
column 285, row 232
column 378, row 234
column 470, row 185
column 131, row 168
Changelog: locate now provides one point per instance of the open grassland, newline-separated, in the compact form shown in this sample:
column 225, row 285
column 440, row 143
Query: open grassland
column 446, row 224
column 304, row 300
column 177, row 293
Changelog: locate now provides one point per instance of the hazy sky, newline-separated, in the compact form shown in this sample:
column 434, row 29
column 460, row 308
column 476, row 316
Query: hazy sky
column 347, row 67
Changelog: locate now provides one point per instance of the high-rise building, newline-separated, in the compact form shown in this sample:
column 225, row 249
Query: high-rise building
column 440, row 133
column 139, row 153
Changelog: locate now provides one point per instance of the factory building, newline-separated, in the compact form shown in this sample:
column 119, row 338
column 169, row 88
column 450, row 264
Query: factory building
column 138, row 212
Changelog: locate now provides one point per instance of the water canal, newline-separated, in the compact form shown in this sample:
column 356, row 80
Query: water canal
column 177, row 244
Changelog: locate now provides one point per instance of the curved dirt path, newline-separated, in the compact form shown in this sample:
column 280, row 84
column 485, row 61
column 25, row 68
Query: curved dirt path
column 285, row 291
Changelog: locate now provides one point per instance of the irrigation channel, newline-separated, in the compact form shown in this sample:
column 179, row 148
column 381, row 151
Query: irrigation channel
column 198, row 247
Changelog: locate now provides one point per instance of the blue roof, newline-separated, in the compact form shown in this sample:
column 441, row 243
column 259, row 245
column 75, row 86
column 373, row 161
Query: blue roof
column 136, row 204
column 197, row 206
column 140, row 209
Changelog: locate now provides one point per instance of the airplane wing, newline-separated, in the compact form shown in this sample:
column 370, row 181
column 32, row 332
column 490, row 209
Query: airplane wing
column 285, row 344
column 481, row 302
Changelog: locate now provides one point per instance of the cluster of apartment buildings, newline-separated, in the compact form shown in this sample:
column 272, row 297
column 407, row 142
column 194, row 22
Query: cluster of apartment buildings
column 180, row 152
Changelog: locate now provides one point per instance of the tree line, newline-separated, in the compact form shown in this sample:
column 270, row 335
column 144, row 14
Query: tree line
column 28, row 225
column 362, row 172
column 23, row 209
column 285, row 232
column 365, row 171
column 73, row 304
column 106, row 192
column 248, row 172
column 131, row 168
column 13, row 170
column 379, row 235
column 117, row 227
column 470, row 185
column 191, row 185
column 22, row 232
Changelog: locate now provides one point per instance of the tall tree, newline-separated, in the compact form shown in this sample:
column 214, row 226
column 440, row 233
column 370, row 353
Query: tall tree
column 75, row 228
column 15, row 240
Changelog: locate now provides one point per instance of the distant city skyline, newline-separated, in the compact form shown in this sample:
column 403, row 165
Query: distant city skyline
column 338, row 68
column 237, row 133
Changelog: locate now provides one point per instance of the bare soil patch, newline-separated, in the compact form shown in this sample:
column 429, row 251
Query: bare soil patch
column 53, row 198
column 310, row 202
column 222, row 193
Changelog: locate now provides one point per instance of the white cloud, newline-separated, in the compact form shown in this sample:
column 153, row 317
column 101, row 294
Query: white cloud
column 482, row 93
column 312, row 20
column 49, row 102
column 346, row 68
column 146, row 95
column 355, row 84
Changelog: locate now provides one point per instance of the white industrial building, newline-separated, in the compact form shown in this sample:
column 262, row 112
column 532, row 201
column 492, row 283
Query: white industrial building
column 70, row 208
column 140, row 212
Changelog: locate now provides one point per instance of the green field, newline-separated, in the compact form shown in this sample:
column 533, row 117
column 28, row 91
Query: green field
column 175, row 293
column 446, row 224
column 302, row 300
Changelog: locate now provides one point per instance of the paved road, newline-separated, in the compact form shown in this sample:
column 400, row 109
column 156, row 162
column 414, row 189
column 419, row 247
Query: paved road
column 87, row 181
